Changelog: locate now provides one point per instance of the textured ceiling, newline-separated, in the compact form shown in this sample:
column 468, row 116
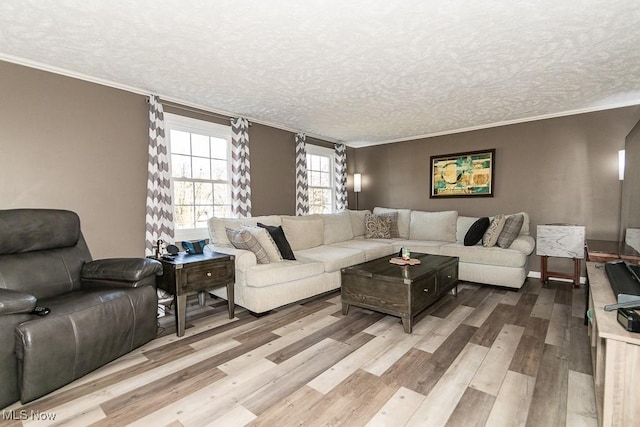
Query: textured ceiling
column 358, row 71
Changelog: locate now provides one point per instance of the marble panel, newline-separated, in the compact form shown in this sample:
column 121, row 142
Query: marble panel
column 560, row 240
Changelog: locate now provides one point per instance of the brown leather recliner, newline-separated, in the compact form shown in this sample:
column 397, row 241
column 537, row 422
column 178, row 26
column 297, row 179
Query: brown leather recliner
column 100, row 309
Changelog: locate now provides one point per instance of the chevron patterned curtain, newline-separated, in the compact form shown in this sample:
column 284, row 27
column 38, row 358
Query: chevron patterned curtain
column 240, row 168
column 340, row 160
column 302, row 186
column 159, row 216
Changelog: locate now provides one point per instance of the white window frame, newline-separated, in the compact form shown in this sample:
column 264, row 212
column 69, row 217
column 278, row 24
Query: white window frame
column 191, row 125
column 325, row 152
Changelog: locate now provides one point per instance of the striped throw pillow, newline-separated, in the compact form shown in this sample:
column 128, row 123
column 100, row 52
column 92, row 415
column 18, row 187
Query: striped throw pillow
column 243, row 239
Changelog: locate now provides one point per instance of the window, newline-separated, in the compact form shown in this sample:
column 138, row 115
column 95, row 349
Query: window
column 320, row 179
column 200, row 173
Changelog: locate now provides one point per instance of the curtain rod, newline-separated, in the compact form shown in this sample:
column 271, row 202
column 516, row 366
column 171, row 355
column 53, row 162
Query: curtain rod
column 194, row 109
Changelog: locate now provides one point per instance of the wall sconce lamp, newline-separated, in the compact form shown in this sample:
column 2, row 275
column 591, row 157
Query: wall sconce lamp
column 621, row 165
column 357, row 185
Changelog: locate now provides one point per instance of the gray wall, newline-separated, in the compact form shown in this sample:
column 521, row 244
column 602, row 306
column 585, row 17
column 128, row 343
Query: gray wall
column 70, row 144
column 558, row 170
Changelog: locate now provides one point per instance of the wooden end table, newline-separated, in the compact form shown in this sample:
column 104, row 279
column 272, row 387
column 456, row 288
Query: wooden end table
column 187, row 274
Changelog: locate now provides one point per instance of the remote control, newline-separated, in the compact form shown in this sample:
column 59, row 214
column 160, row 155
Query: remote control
column 41, row 311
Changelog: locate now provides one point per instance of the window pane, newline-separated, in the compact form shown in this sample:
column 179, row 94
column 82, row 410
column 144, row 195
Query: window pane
column 315, row 196
column 314, row 179
column 315, row 163
column 180, row 142
column 324, row 164
column 218, row 148
column 219, row 170
column 325, row 180
column 180, row 166
column 201, row 168
column 183, row 217
column 326, row 197
column 200, row 145
column 182, row 193
column 203, row 213
column 221, row 194
column 204, row 193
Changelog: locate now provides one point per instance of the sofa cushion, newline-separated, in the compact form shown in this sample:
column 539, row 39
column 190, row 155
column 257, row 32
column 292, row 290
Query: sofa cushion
column 277, row 233
column 28, row 230
column 371, row 247
column 421, row 246
column 490, row 237
column 357, row 222
column 377, row 227
column 476, row 231
column 404, row 219
column 218, row 235
column 286, row 271
column 524, row 244
column 303, row 232
column 387, row 241
column 243, row 239
column 85, row 330
column 266, row 241
column 480, row 255
column 334, row 258
column 433, row 226
column 511, row 230
column 337, row 227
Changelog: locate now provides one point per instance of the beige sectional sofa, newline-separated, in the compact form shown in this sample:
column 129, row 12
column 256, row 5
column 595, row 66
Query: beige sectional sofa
column 323, row 244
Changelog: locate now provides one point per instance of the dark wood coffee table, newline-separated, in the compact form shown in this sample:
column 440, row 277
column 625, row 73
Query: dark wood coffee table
column 402, row 291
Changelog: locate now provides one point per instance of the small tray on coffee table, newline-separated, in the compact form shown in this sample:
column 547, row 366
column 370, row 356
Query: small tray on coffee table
column 402, row 261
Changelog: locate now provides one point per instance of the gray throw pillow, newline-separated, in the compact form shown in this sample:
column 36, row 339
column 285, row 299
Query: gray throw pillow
column 377, row 227
column 243, row 239
column 511, row 230
column 393, row 216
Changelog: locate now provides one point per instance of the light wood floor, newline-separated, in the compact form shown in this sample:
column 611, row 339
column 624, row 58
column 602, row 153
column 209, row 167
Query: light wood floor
column 486, row 357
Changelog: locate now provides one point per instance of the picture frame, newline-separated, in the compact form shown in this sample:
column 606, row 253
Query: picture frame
column 470, row 174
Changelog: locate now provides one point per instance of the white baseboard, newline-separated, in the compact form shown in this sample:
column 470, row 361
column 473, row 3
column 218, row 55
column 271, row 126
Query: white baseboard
column 537, row 275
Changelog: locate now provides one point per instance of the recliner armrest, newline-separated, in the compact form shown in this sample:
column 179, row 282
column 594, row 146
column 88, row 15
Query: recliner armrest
column 13, row 302
column 120, row 272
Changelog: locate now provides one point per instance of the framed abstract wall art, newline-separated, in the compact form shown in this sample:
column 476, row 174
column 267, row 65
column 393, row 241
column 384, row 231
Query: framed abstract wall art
column 463, row 174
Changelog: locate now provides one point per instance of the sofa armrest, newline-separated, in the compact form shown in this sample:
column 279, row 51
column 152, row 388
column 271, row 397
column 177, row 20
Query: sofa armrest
column 524, row 244
column 243, row 258
column 13, row 302
column 120, row 272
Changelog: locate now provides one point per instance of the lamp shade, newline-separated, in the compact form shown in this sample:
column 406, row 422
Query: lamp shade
column 357, row 182
column 621, row 165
